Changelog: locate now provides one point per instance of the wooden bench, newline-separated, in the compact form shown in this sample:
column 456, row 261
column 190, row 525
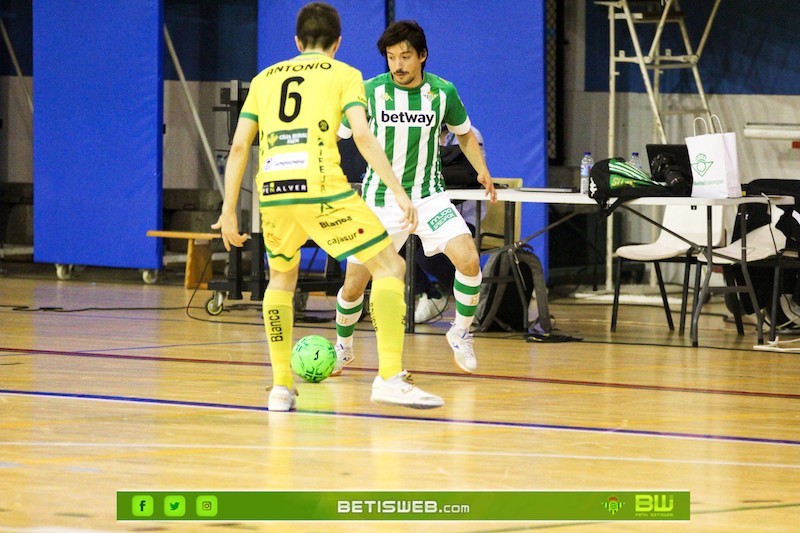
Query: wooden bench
column 198, row 255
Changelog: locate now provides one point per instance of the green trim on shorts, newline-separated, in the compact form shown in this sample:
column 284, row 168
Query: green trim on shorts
column 313, row 200
column 280, row 256
column 367, row 244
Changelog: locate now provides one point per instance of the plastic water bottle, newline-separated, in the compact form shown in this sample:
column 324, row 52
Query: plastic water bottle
column 586, row 165
column 221, row 160
column 634, row 161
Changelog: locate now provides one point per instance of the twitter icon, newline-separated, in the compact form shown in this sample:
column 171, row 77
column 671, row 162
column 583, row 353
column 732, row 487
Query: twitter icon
column 174, row 505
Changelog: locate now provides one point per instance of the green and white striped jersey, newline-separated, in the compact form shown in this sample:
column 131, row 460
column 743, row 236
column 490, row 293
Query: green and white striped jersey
column 407, row 123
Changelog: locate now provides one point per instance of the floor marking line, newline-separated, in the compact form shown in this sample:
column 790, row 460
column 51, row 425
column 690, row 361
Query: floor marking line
column 549, row 381
column 487, row 423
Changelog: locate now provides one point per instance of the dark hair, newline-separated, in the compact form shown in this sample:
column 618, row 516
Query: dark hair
column 318, row 25
column 402, row 31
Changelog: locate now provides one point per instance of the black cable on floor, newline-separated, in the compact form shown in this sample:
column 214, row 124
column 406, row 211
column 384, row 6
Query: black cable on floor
column 26, row 309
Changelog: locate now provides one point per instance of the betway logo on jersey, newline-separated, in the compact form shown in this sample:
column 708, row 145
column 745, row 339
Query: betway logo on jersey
column 283, row 187
column 406, row 118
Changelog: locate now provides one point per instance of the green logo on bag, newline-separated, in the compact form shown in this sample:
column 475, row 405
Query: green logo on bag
column 615, row 181
column 700, row 165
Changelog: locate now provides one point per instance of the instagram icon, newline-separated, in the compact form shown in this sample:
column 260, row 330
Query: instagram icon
column 207, row 505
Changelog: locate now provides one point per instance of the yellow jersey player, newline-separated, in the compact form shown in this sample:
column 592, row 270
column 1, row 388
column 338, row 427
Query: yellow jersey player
column 295, row 107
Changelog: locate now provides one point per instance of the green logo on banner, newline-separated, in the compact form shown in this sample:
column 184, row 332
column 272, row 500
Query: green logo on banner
column 613, row 505
column 655, row 505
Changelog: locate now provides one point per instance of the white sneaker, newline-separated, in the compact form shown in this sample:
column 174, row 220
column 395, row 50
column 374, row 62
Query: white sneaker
column 429, row 308
column 282, row 399
column 344, row 356
column 400, row 390
column 463, row 350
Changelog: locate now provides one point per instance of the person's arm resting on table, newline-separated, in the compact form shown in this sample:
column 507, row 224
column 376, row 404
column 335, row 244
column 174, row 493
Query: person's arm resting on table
column 472, row 150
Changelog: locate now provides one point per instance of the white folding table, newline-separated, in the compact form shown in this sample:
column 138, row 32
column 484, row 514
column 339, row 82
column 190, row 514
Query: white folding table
column 515, row 196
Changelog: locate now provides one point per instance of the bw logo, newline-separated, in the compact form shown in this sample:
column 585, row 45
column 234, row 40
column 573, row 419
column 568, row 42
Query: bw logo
column 659, row 503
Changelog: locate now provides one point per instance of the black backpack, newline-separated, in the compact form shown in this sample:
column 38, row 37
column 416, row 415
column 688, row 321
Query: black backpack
column 509, row 278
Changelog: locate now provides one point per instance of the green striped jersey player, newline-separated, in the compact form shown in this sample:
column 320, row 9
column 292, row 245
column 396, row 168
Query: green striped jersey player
column 406, row 108
column 407, row 122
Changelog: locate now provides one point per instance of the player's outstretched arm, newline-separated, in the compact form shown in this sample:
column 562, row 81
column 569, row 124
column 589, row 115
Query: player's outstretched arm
column 228, row 222
column 374, row 155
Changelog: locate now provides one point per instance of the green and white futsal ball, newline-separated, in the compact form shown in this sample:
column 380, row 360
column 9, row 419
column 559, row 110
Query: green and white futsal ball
column 313, row 358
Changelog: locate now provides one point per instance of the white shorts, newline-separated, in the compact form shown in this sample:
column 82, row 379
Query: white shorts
column 439, row 223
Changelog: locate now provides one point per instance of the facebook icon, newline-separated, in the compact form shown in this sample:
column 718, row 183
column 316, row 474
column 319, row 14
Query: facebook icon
column 142, row 505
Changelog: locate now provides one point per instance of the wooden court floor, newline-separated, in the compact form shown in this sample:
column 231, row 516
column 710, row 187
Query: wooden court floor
column 108, row 384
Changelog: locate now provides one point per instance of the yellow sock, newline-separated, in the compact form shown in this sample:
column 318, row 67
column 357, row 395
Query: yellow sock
column 278, row 319
column 387, row 308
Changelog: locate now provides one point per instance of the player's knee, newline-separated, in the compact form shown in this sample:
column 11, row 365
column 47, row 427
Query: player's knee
column 471, row 268
column 468, row 263
column 388, row 264
column 395, row 266
column 283, row 280
column 350, row 293
column 355, row 283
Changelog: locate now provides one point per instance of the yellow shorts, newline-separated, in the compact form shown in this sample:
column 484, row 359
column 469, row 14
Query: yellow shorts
column 342, row 225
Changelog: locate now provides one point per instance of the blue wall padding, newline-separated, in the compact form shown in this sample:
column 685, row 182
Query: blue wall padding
column 494, row 53
column 97, row 143
column 363, row 22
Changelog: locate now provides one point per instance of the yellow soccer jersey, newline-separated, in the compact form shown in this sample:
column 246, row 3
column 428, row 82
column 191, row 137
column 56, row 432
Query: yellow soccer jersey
column 298, row 105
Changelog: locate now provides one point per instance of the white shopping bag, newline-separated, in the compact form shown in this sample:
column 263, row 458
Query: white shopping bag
column 715, row 165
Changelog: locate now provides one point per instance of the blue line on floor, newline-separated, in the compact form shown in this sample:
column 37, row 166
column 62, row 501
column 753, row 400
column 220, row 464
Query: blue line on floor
column 730, row 438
